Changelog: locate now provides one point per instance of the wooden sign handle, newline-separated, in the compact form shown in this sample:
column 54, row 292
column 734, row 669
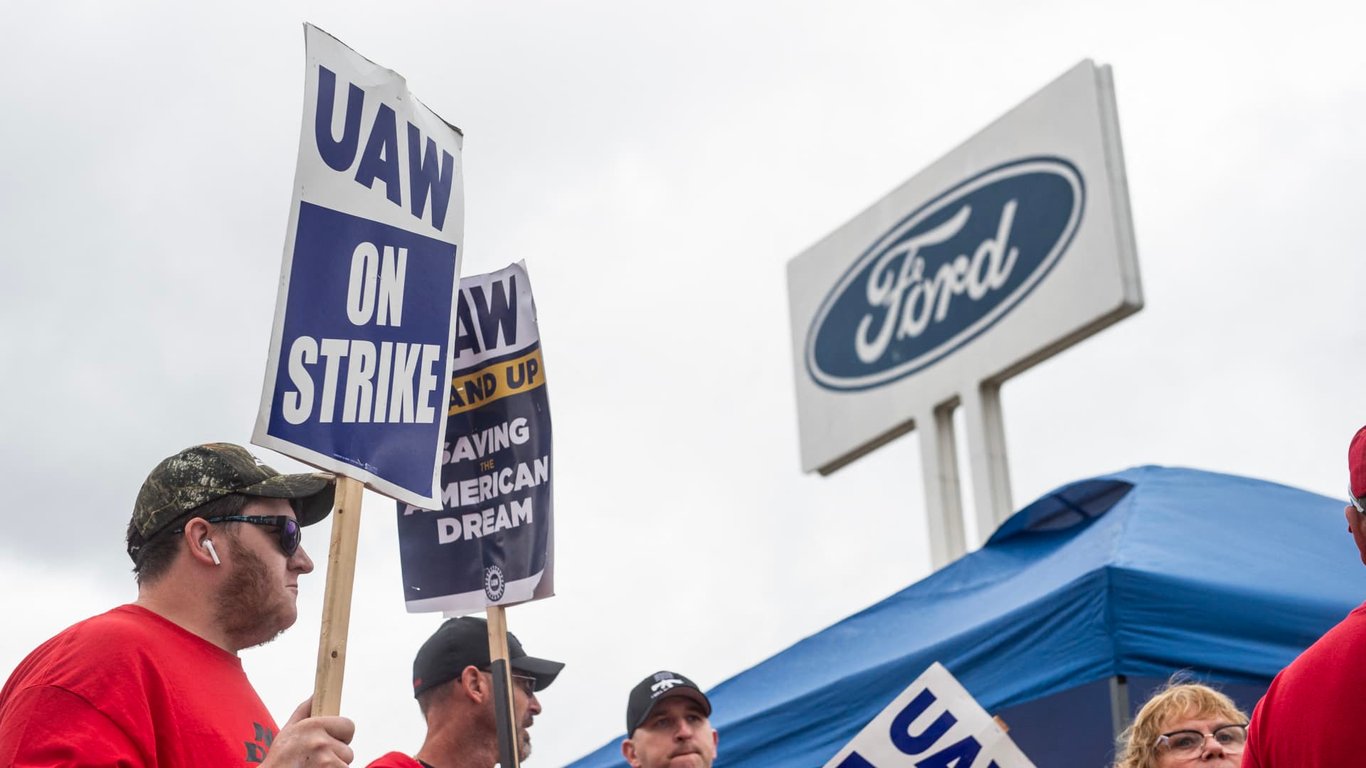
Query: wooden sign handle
column 341, row 575
column 508, row 746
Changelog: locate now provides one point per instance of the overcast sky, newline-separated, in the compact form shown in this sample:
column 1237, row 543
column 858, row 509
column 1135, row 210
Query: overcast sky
column 656, row 165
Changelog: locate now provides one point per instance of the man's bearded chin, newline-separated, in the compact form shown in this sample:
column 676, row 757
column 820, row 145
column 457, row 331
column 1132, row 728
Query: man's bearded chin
column 525, row 741
column 243, row 607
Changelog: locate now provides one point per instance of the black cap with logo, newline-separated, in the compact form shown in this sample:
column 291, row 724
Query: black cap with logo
column 654, row 689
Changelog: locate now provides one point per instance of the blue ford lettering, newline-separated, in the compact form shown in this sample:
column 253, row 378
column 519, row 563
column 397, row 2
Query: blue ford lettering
column 945, row 274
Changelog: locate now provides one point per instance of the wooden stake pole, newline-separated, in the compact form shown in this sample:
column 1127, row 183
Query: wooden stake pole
column 508, row 756
column 341, row 574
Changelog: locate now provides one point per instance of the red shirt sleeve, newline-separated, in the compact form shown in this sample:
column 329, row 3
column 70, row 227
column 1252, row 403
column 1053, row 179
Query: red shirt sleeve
column 50, row 727
column 1250, row 750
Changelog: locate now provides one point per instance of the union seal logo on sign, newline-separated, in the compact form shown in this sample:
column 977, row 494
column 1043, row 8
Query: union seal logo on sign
column 493, row 583
column 945, row 273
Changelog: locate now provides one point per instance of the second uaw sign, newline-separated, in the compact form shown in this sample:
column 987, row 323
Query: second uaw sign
column 492, row 540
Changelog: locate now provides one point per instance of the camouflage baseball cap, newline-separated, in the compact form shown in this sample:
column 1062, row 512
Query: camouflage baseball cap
column 201, row 474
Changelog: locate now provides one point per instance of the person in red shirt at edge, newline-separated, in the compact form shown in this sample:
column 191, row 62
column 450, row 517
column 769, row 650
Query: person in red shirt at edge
column 214, row 539
column 454, row 692
column 1308, row 716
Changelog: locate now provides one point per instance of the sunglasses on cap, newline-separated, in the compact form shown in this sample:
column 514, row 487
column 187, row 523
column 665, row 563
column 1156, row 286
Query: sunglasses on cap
column 1358, row 503
column 290, row 533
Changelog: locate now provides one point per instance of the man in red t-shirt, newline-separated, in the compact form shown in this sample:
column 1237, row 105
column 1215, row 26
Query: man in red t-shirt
column 454, row 691
column 214, row 539
column 1308, row 716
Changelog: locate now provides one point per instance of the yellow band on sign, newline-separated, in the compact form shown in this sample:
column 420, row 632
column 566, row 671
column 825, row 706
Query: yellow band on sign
column 497, row 381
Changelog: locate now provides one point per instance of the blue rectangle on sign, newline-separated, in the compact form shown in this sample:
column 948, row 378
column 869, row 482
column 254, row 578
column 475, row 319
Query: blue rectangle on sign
column 363, row 352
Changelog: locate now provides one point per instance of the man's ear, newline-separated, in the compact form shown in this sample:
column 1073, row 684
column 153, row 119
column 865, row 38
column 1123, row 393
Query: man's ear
column 197, row 532
column 628, row 751
column 473, row 686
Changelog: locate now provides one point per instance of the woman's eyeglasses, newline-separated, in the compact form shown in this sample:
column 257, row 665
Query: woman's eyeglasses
column 1189, row 743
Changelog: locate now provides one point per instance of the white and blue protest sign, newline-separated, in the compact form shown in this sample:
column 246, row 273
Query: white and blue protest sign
column 361, row 348
column 492, row 540
column 934, row 723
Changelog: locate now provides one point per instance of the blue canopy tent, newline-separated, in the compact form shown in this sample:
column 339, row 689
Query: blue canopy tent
column 1124, row 577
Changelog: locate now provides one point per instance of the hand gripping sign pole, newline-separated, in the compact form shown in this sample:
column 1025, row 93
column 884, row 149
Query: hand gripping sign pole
column 336, row 621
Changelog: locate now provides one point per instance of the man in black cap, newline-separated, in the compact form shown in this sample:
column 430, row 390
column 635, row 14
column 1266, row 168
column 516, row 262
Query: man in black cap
column 214, row 539
column 454, row 691
column 667, row 724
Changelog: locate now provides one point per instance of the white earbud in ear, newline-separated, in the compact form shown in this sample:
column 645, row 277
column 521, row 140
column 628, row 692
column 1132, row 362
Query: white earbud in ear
column 208, row 544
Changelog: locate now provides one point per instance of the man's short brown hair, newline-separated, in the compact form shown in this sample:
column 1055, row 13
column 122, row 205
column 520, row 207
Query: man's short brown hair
column 155, row 556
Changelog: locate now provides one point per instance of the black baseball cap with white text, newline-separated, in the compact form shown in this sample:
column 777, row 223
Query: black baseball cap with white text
column 656, row 688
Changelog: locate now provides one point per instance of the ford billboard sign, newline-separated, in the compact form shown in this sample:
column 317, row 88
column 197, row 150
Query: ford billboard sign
column 1003, row 252
column 945, row 273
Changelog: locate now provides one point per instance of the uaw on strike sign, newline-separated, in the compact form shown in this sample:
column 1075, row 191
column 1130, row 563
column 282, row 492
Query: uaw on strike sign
column 491, row 542
column 360, row 353
column 934, row 723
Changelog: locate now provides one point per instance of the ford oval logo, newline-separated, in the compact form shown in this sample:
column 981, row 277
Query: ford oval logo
column 945, row 274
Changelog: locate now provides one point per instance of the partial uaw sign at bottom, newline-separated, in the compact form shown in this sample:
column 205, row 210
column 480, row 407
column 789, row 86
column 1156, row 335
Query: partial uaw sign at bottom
column 492, row 540
column 934, row 723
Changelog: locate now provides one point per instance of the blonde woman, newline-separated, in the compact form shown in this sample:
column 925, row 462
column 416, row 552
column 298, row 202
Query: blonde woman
column 1185, row 724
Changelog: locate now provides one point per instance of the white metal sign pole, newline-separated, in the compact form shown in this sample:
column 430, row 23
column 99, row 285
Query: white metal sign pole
column 943, row 496
column 987, row 455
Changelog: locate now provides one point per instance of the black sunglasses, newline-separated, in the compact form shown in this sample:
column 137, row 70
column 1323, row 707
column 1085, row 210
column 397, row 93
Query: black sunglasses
column 290, row 533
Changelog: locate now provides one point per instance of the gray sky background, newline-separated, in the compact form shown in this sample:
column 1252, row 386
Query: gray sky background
column 656, row 165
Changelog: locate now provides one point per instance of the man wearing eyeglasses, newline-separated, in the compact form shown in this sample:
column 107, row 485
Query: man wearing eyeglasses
column 214, row 539
column 1308, row 716
column 454, row 692
column 668, row 725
